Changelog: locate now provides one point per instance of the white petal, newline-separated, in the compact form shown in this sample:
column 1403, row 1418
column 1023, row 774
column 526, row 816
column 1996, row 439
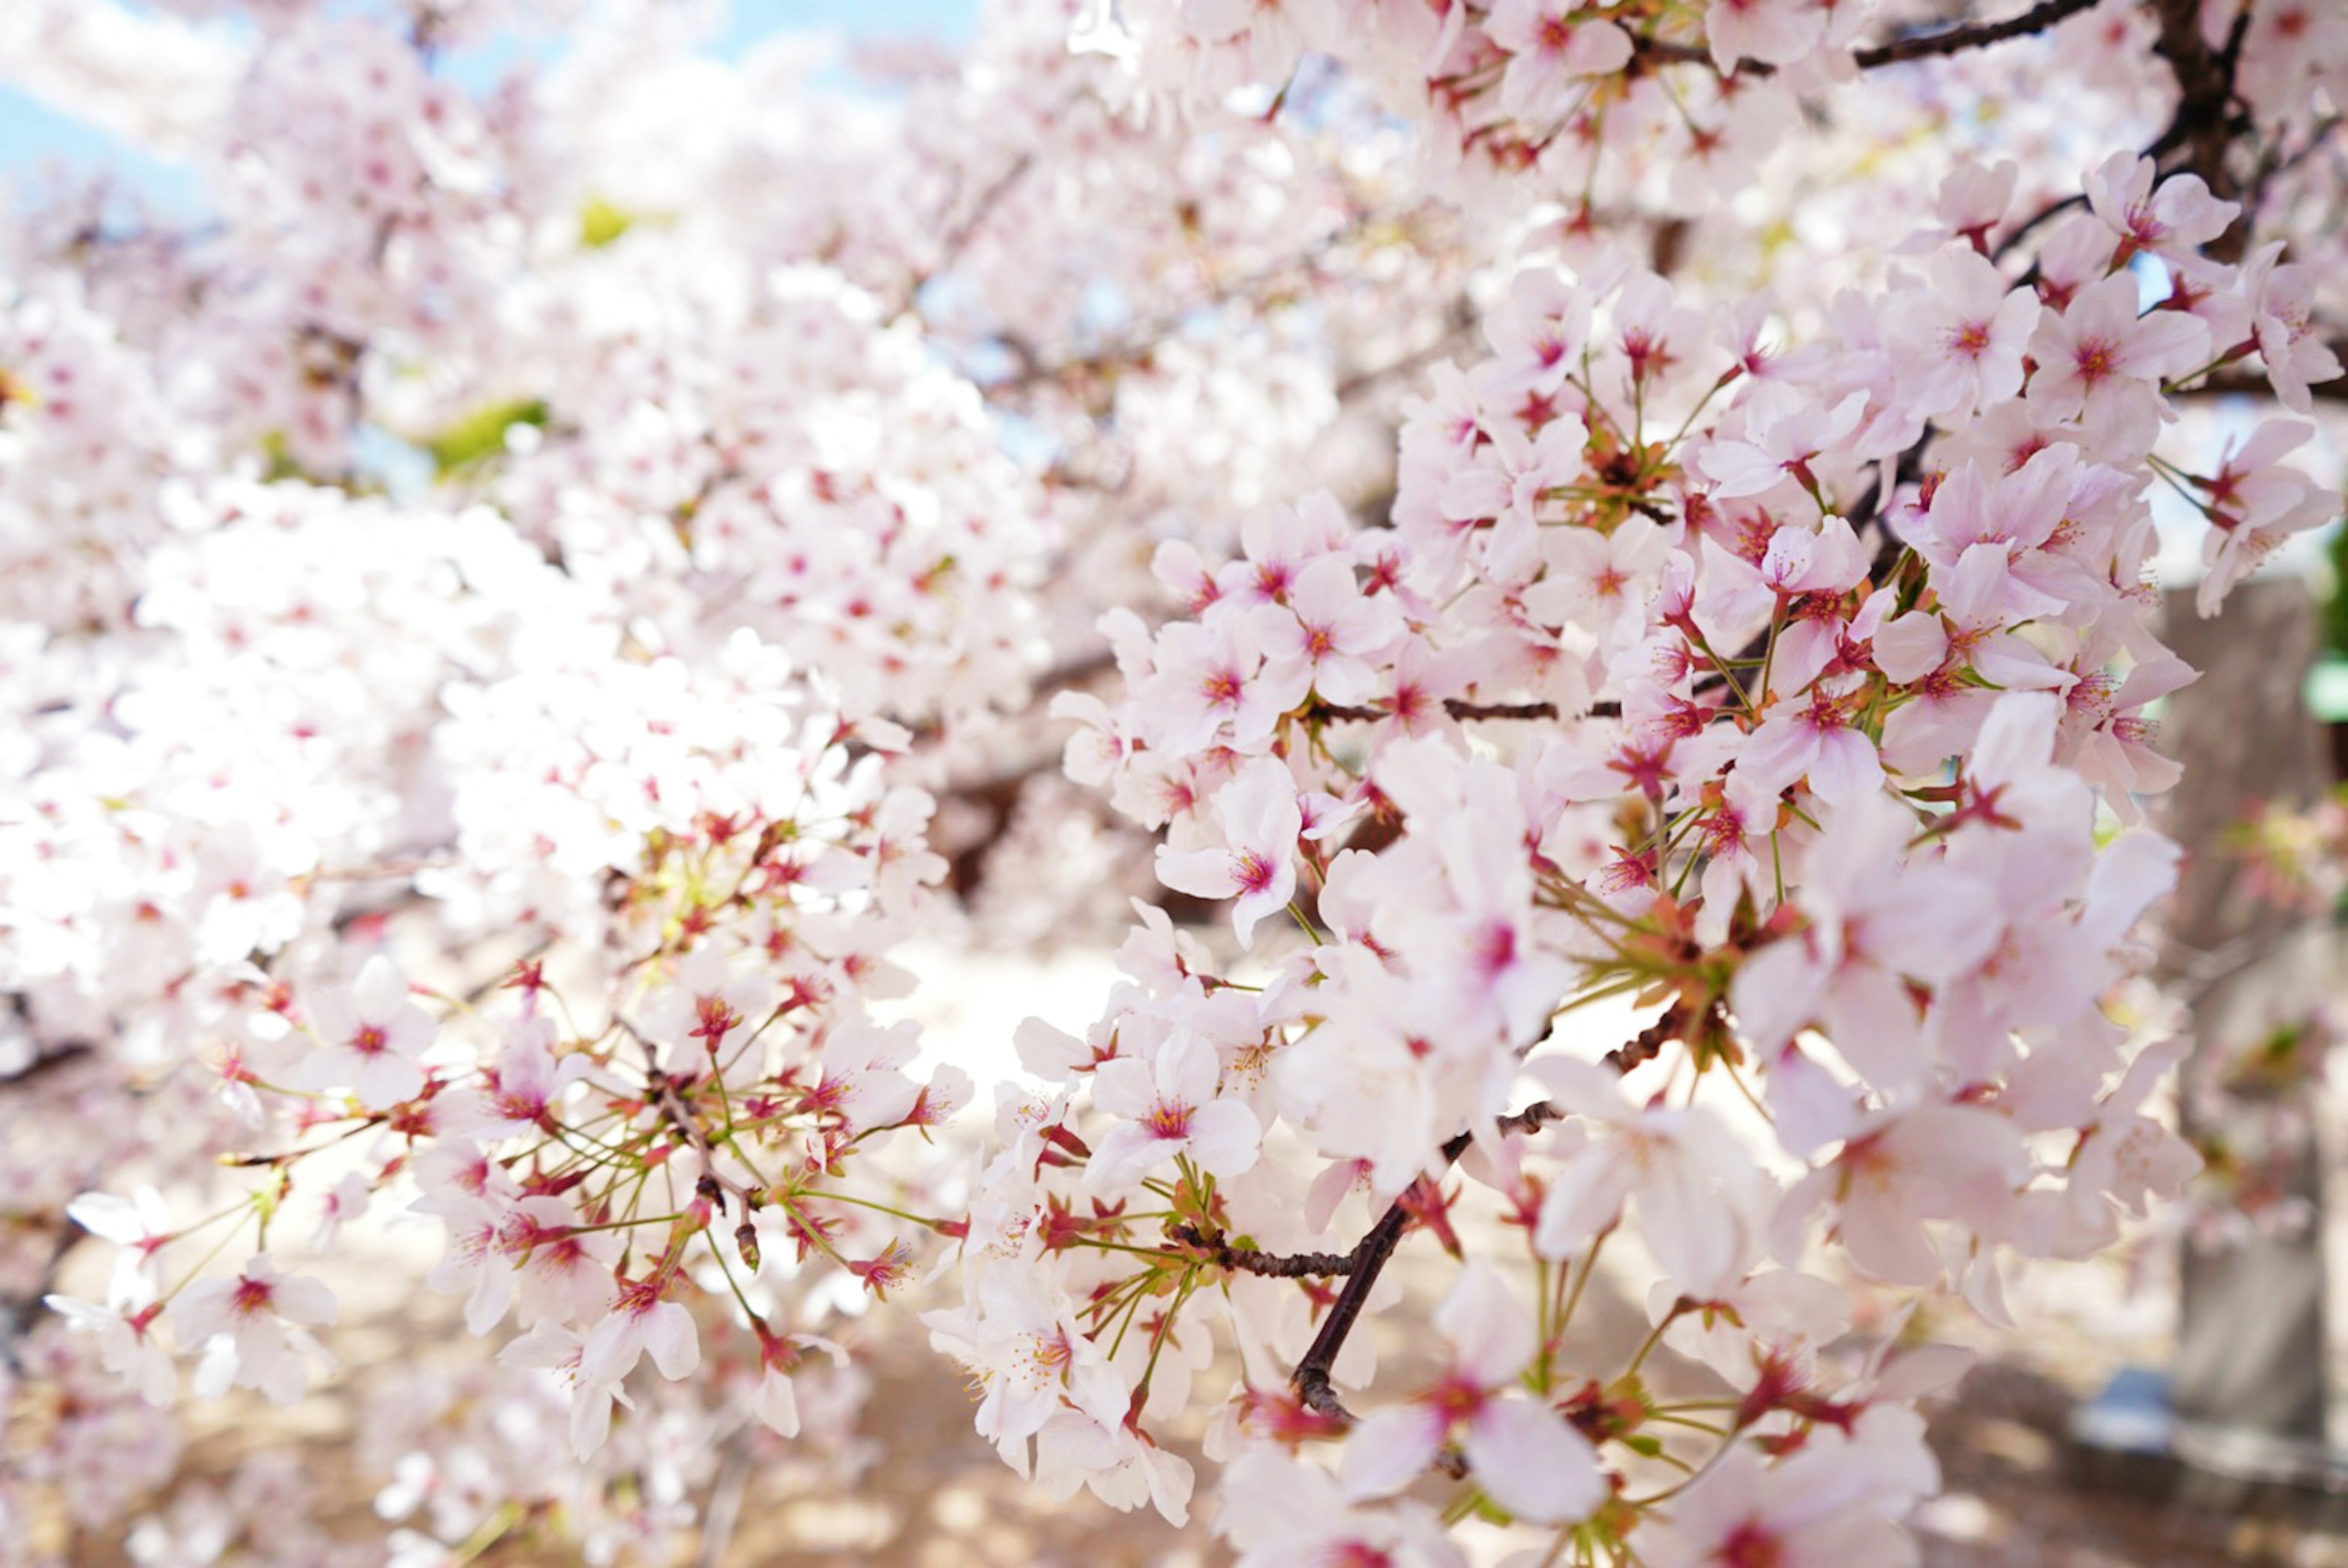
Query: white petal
column 776, row 1404
column 1491, row 1334
column 381, row 990
column 1390, row 1449
column 1533, row 1464
column 612, row 1349
column 670, row 1336
column 1225, row 1137
column 303, row 1299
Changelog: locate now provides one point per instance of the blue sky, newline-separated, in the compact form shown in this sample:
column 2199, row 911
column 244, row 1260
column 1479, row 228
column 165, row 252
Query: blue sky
column 35, row 137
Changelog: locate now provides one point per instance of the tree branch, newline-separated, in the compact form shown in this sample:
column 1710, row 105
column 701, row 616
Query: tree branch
column 1458, row 708
column 1311, row 1378
column 2205, row 126
column 41, row 1066
column 1917, row 46
column 1972, row 35
column 2250, row 384
column 1368, row 1258
column 1270, row 1264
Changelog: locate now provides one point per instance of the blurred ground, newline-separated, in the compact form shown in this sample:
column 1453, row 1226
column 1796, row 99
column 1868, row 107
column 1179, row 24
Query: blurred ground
column 2013, row 1496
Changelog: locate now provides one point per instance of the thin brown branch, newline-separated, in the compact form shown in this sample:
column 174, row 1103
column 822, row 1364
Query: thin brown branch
column 660, row 1090
column 1458, row 708
column 1270, row 1264
column 2029, row 225
column 1450, row 343
column 2250, row 384
column 1972, row 35
column 958, row 237
column 1917, row 46
column 1311, row 1378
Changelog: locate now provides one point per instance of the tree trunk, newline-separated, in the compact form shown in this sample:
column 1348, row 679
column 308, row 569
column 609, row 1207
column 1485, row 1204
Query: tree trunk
column 2252, row 1346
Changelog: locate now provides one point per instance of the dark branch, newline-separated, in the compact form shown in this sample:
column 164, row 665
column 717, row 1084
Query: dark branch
column 2249, row 384
column 1311, row 1378
column 2205, row 126
column 1270, row 1264
column 1972, row 36
column 41, row 1066
column 2045, row 214
column 1921, row 46
column 1457, row 707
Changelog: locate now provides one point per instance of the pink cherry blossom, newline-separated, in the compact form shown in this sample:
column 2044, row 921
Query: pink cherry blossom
column 127, row 1346
column 2174, row 221
column 1168, row 1107
column 1694, row 1187
column 1812, row 740
column 1524, row 1456
column 1329, row 626
column 1836, row 1502
column 1774, row 32
column 1260, row 821
column 1550, row 43
column 252, row 1329
column 2100, row 362
column 370, row 1037
column 641, row 1320
column 1962, row 337
column 1022, row 1341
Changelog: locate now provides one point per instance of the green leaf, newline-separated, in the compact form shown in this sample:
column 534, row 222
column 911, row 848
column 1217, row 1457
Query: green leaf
column 280, row 462
column 600, row 224
column 480, row 434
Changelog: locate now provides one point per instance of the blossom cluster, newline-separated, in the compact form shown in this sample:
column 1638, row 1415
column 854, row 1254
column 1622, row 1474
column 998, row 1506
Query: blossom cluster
column 1777, row 692
column 1645, row 102
column 527, row 651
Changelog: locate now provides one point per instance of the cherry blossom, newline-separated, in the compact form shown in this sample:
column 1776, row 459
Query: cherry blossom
column 126, row 1345
column 1526, row 1459
column 1833, row 1503
column 370, row 1038
column 1962, row 337
column 1261, row 820
column 1170, row 1109
column 1548, row 44
column 2100, row 361
column 641, row 1321
column 1694, row 1186
column 252, row 1329
column 141, row 1227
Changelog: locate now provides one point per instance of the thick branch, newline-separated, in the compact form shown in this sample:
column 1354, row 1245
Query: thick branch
column 2205, row 126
